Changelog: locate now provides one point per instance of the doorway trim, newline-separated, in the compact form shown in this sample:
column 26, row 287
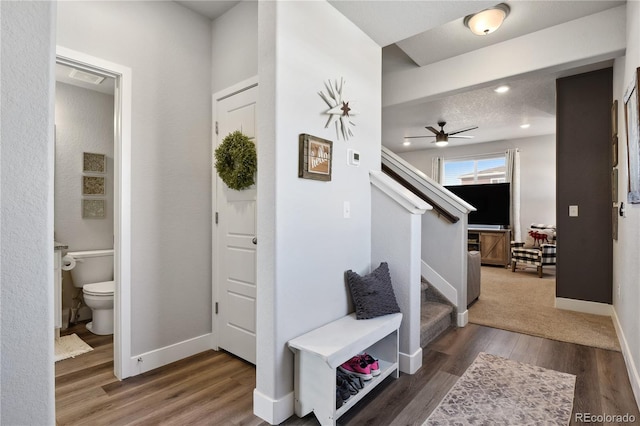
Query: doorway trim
column 218, row 96
column 122, row 198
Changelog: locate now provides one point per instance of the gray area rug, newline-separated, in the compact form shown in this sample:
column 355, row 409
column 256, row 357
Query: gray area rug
column 498, row 391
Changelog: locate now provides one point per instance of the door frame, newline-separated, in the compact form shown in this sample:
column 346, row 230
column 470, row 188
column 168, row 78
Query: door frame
column 215, row 285
column 122, row 198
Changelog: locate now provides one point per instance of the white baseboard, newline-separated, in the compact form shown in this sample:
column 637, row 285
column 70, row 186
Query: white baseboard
column 163, row 356
column 462, row 319
column 270, row 410
column 632, row 370
column 409, row 364
column 587, row 307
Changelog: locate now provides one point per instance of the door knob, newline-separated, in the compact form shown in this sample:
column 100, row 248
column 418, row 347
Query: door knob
column 255, row 240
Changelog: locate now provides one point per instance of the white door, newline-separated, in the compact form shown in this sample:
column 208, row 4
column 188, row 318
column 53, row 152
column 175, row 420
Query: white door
column 236, row 237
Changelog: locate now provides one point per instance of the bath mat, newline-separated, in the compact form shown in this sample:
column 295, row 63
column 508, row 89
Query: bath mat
column 500, row 391
column 70, row 346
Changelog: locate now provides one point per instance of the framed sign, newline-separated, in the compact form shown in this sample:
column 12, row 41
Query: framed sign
column 315, row 156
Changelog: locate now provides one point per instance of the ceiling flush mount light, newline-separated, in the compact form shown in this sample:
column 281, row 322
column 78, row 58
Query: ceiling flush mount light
column 406, row 143
column 487, row 21
column 525, row 126
column 501, row 89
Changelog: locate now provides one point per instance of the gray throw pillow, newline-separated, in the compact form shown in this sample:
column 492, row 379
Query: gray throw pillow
column 372, row 294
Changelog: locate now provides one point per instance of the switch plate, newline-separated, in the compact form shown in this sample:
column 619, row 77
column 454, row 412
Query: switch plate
column 346, row 210
column 573, row 211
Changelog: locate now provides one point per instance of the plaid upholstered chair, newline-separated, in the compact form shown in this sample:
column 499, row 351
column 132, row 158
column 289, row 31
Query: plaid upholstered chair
column 538, row 250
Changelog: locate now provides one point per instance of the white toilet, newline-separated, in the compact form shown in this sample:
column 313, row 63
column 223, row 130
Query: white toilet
column 93, row 273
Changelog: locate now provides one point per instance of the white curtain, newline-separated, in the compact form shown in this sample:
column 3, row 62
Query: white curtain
column 513, row 177
column 437, row 165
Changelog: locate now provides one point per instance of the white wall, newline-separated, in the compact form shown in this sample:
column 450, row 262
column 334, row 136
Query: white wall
column 84, row 123
column 305, row 243
column 26, row 227
column 537, row 172
column 168, row 48
column 626, row 268
column 234, row 46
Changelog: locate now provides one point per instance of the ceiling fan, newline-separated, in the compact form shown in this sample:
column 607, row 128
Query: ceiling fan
column 442, row 138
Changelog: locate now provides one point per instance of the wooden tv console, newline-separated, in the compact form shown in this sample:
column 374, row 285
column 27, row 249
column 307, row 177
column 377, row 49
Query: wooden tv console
column 494, row 245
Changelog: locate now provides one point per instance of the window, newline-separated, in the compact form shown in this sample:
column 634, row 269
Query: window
column 469, row 171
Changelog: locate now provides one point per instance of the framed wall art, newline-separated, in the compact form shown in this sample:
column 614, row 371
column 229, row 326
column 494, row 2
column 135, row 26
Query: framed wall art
column 94, row 163
column 93, row 209
column 315, row 156
column 632, row 124
column 93, row 185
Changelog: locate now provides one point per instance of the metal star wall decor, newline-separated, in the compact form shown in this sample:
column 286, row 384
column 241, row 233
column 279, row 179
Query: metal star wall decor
column 340, row 112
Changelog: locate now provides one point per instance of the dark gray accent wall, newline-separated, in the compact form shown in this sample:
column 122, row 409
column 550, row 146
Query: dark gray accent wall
column 583, row 108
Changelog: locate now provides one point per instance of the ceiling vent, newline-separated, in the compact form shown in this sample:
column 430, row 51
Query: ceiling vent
column 87, row 77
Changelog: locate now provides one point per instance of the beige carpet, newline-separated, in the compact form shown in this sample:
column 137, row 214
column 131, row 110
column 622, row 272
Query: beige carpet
column 499, row 391
column 520, row 301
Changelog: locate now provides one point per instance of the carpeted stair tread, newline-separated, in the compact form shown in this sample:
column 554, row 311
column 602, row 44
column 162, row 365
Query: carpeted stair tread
column 434, row 319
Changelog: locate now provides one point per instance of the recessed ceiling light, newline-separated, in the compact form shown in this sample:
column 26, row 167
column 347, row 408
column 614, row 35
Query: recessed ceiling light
column 406, row 143
column 501, row 89
column 525, row 126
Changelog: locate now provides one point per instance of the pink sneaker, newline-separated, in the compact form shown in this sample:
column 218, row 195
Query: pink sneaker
column 372, row 363
column 357, row 367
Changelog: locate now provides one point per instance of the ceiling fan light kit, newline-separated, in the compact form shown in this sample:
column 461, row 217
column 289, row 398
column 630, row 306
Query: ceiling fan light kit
column 442, row 138
column 488, row 20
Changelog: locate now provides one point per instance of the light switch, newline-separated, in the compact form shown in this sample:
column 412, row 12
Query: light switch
column 347, row 210
column 573, row 211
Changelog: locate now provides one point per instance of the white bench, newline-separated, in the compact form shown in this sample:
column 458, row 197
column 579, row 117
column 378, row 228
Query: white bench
column 319, row 352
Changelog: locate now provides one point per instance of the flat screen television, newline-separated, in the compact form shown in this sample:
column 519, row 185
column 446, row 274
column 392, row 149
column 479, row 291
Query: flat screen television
column 492, row 201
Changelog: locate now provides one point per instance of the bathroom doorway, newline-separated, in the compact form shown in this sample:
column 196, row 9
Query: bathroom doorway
column 93, row 201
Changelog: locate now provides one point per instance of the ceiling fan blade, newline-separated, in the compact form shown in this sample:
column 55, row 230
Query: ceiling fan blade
column 430, row 128
column 460, row 137
column 463, row 130
column 419, row 137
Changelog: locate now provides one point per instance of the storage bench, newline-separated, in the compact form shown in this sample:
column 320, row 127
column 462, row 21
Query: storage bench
column 320, row 352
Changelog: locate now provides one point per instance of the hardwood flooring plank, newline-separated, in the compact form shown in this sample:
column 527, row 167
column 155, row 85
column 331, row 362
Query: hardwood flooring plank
column 423, row 404
column 584, row 365
column 215, row 388
column 502, row 344
column 615, row 388
column 527, row 349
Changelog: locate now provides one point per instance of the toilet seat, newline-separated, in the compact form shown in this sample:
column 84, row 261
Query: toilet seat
column 105, row 288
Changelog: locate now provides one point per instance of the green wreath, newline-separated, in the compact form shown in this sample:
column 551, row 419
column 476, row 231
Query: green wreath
column 236, row 161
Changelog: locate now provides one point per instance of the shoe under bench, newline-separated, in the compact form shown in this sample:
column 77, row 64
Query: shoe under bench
column 320, row 352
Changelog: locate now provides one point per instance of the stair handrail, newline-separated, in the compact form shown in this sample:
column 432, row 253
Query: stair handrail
column 423, row 183
column 437, row 208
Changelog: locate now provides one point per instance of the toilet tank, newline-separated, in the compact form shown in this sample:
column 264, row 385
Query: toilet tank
column 92, row 266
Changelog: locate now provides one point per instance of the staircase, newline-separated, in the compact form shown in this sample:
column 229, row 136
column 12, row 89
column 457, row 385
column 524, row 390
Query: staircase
column 436, row 315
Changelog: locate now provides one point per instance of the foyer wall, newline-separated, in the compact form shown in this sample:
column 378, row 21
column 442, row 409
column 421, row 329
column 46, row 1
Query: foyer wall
column 234, row 36
column 27, row 34
column 626, row 268
column 306, row 244
column 170, row 156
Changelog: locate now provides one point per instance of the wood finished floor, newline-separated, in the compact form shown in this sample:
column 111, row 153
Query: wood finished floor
column 215, row 388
